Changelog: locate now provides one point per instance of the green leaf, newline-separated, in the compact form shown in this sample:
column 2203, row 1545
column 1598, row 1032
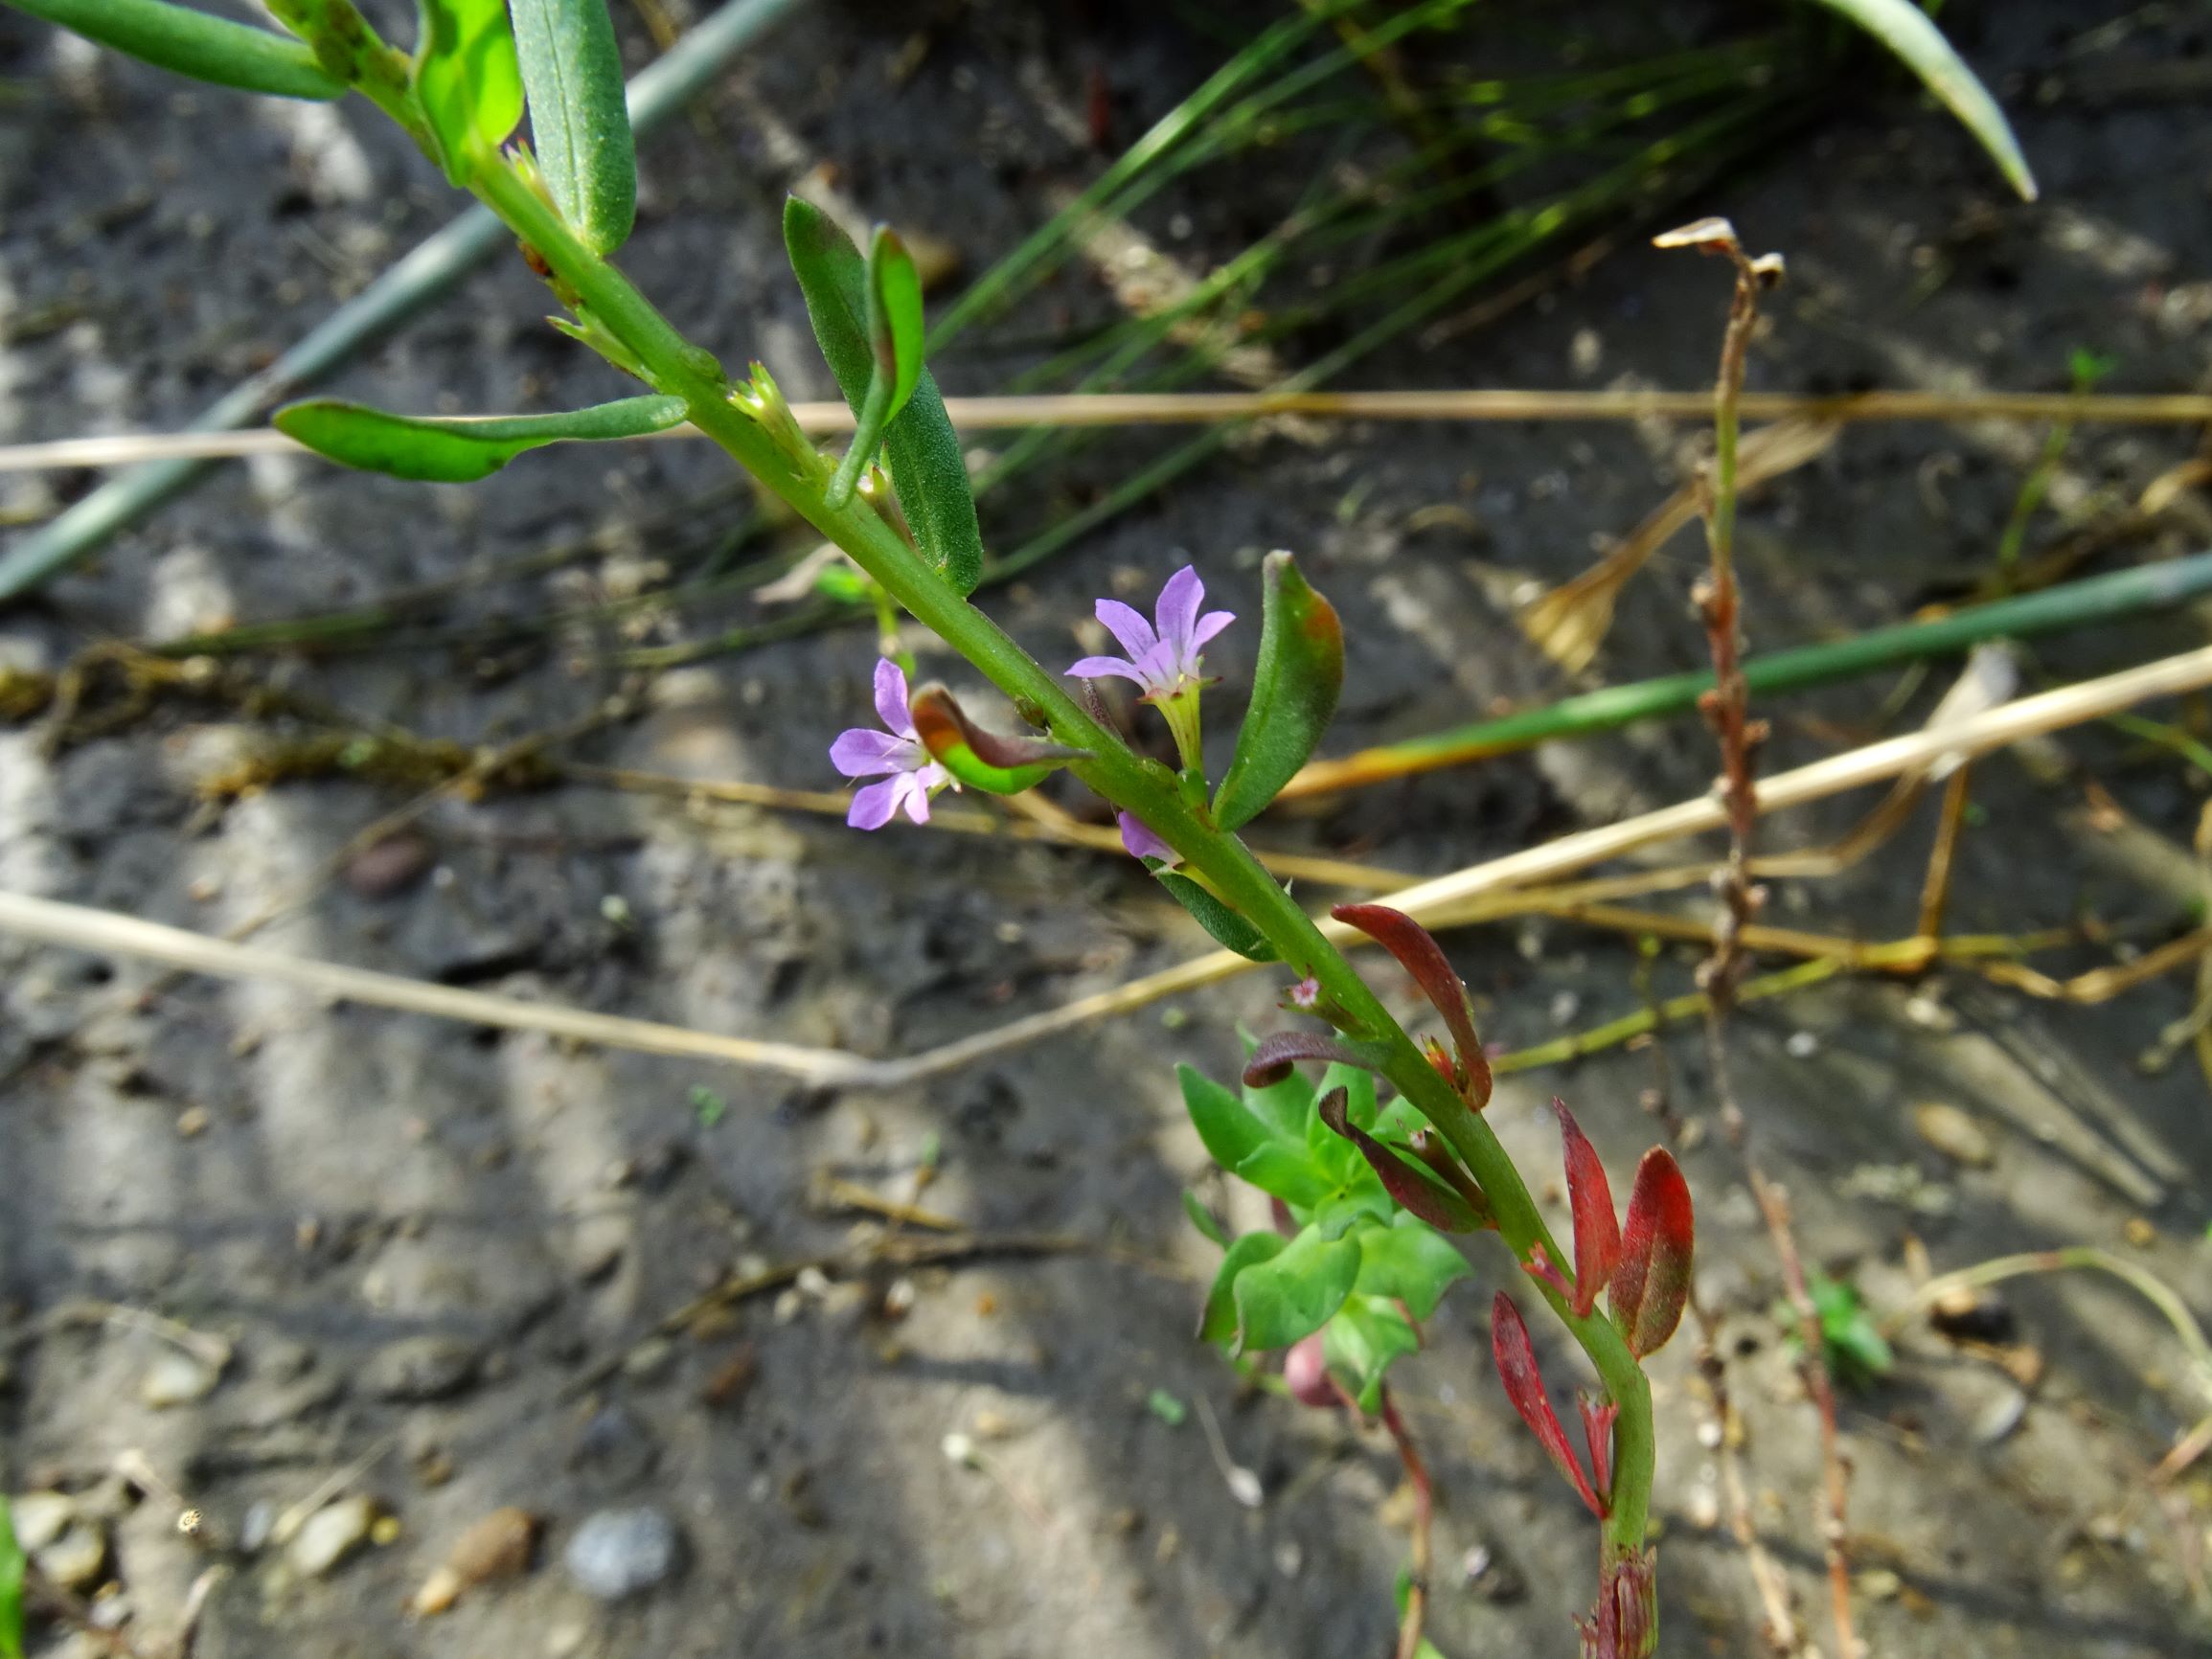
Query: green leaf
column 1339, row 1156
column 1219, row 1322
column 1901, row 26
column 194, row 43
column 458, row 450
column 579, row 115
column 1286, row 1107
column 1231, row 1134
column 1228, row 929
column 894, row 324
column 983, row 759
column 1203, row 1219
column 10, row 1587
column 1287, row 1172
column 1294, row 691
column 1294, row 1291
column 1409, row 1262
column 467, row 80
column 928, row 469
column 1362, row 1341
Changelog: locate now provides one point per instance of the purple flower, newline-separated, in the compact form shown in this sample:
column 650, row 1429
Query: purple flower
column 1137, row 836
column 897, row 751
column 1164, row 661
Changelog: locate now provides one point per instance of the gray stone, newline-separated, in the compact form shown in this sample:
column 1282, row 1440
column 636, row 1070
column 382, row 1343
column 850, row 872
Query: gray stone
column 421, row 1368
column 621, row 1553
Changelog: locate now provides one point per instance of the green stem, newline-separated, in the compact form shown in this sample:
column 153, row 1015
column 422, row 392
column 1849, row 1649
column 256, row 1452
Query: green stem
column 1113, row 771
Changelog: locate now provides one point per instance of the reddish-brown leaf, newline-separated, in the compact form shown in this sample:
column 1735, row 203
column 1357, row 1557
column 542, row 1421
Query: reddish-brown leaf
column 1590, row 1196
column 1420, row 955
column 1516, row 1369
column 1656, row 1250
column 1598, row 1435
column 1447, row 1212
column 1278, row 1050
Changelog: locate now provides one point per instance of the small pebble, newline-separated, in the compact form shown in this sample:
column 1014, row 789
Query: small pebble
column 2140, row 1233
column 390, row 867
column 621, row 1553
column 1879, row 1584
column 77, row 1560
column 421, row 1368
column 499, row 1546
column 1802, row 1045
column 2001, row 1416
column 260, row 1520
column 330, row 1534
column 176, row 1377
column 40, row 1516
column 1954, row 1135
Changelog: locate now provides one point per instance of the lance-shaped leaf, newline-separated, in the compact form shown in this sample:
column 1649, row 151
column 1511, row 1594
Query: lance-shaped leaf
column 1295, row 1292
column 1420, row 955
column 894, row 331
column 467, row 80
column 196, row 43
column 1203, row 1219
column 1294, row 689
column 1516, row 1369
column 459, row 449
column 1409, row 1184
column 1271, row 1062
column 1658, row 1245
column 1443, row 1164
column 981, row 760
column 579, row 115
column 928, row 467
column 1906, row 29
column 1228, row 929
column 1597, row 1418
column 1226, row 1127
column 1219, row 1322
column 1590, row 1196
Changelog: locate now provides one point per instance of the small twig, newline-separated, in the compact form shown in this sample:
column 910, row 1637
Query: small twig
column 1727, row 708
column 1409, row 1624
column 1204, row 408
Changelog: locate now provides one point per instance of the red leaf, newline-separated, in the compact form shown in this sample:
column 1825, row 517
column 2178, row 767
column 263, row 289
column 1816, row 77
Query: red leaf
column 1598, row 1435
column 1449, row 1212
column 1516, row 1369
column 1420, row 955
column 1271, row 1062
column 1656, row 1250
column 1590, row 1196
column 1430, row 1147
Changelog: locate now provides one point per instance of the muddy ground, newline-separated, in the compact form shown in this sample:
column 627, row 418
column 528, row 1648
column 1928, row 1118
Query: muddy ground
column 422, row 1243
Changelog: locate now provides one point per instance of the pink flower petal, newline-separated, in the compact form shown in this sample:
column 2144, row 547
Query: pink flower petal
column 1137, row 836
column 860, row 752
column 891, row 706
column 912, row 794
column 872, row 806
column 1127, row 625
column 1099, row 668
column 1178, row 608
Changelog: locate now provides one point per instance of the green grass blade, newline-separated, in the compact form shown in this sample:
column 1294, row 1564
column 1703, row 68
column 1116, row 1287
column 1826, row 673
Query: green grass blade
column 1901, row 26
column 2061, row 609
column 10, row 1587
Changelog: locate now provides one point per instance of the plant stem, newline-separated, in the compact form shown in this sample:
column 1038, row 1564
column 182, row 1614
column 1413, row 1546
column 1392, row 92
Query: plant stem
column 1114, row 772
